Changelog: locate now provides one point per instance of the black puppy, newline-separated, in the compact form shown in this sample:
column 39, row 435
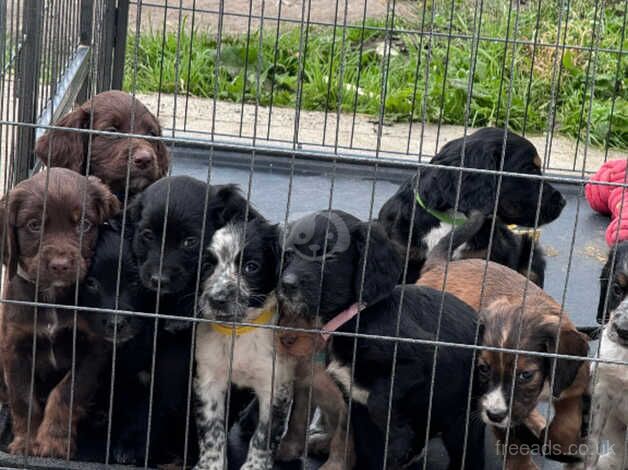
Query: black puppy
column 172, row 222
column 436, row 198
column 114, row 283
column 351, row 250
column 615, row 272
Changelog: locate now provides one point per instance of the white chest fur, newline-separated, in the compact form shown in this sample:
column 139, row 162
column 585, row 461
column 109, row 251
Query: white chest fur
column 255, row 360
column 612, row 379
column 437, row 233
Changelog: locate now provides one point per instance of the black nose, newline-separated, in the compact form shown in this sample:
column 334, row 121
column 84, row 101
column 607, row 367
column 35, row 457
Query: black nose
column 159, row 281
column 289, row 283
column 497, row 417
column 558, row 200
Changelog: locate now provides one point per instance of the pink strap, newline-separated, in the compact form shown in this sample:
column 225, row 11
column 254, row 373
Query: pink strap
column 340, row 319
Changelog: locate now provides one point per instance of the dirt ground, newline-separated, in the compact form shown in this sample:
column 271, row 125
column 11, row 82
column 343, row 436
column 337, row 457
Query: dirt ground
column 316, row 131
column 236, row 13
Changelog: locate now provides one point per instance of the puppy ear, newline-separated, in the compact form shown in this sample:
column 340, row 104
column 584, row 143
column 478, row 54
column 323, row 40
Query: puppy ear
column 228, row 204
column 380, row 262
column 106, row 204
column 571, row 342
column 65, row 149
column 439, row 187
column 9, row 205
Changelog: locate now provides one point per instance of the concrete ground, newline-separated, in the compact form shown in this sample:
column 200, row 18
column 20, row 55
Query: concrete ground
column 156, row 13
column 317, row 131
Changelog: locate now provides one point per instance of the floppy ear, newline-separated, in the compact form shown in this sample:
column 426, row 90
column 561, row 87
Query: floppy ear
column 228, row 204
column 571, row 342
column 379, row 260
column 9, row 205
column 106, row 204
column 65, row 149
column 439, row 187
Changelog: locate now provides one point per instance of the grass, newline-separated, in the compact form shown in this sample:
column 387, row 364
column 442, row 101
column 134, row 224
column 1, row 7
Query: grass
column 357, row 83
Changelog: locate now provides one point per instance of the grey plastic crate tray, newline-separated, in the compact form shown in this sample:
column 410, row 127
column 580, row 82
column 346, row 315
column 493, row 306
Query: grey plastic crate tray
column 354, row 186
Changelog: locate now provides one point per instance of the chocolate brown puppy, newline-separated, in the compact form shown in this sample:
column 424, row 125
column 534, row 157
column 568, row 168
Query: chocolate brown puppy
column 109, row 156
column 48, row 243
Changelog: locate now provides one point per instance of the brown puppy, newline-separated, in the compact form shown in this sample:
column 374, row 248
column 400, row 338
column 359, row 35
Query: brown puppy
column 508, row 320
column 325, row 394
column 45, row 254
column 111, row 111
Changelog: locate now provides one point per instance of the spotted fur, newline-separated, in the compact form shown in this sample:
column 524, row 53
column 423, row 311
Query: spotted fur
column 234, row 291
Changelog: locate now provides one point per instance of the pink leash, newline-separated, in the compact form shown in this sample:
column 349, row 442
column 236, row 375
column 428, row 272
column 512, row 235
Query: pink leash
column 340, row 319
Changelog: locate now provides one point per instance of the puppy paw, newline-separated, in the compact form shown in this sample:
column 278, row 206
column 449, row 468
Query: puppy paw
column 258, row 460
column 318, row 444
column 52, row 446
column 289, row 449
column 609, row 462
column 333, row 465
column 18, row 445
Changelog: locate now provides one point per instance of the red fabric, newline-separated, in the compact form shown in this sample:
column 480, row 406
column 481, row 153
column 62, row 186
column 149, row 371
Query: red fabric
column 617, row 230
column 613, row 171
column 615, row 203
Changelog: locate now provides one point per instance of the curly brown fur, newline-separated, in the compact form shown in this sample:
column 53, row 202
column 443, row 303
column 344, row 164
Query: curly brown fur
column 44, row 267
column 106, row 156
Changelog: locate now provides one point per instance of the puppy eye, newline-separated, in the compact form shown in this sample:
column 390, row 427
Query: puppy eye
column 618, row 290
column 190, row 242
column 148, row 235
column 151, row 133
column 111, row 129
column 92, row 284
column 85, row 227
column 251, row 267
column 525, row 376
column 484, row 368
column 34, row 225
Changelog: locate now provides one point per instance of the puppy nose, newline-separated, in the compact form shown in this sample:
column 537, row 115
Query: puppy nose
column 289, row 282
column 288, row 340
column 497, row 417
column 218, row 300
column 142, row 158
column 157, row 280
column 60, row 264
column 559, row 200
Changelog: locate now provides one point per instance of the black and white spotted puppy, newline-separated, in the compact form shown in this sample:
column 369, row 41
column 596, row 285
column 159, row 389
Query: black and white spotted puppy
column 609, row 417
column 244, row 263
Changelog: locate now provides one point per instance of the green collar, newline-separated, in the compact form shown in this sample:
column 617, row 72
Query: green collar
column 442, row 216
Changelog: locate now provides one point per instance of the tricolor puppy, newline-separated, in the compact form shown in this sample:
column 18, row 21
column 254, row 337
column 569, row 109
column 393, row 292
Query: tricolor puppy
column 613, row 281
column 339, row 269
column 432, row 198
column 499, row 293
column 244, row 263
column 50, row 223
column 609, row 420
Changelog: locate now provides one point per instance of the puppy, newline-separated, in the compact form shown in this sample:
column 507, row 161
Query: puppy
column 435, row 198
column 314, row 386
column 48, row 244
column 245, row 260
column 615, row 272
column 609, row 418
column 111, row 111
column 172, row 220
column 348, row 248
column 500, row 293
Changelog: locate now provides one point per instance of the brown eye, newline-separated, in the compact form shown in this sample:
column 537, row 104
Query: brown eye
column 525, row 376
column 484, row 368
column 251, row 267
column 111, row 129
column 148, row 235
column 34, row 225
column 190, row 242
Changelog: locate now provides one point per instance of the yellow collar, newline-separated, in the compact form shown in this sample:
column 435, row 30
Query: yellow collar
column 228, row 330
